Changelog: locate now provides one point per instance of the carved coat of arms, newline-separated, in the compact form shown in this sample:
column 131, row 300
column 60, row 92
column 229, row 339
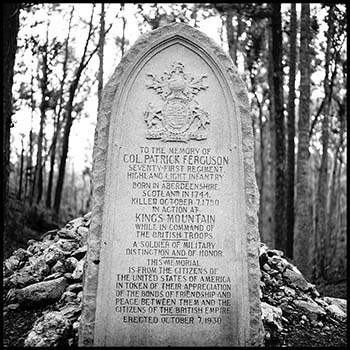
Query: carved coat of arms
column 180, row 118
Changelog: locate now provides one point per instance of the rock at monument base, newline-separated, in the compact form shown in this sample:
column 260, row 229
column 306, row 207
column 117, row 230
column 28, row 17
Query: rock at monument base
column 80, row 252
column 313, row 310
column 272, row 314
column 52, row 255
column 77, row 274
column 49, row 331
column 336, row 311
column 58, row 268
column 21, row 279
column 16, row 261
column 341, row 303
column 41, row 292
column 296, row 279
column 71, row 264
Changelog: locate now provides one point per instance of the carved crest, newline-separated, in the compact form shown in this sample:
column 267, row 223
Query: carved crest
column 180, row 118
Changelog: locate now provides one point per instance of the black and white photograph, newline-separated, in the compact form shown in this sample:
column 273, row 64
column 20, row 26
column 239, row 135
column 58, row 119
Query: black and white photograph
column 174, row 175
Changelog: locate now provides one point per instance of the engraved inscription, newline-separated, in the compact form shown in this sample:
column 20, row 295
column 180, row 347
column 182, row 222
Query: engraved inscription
column 174, row 274
column 180, row 118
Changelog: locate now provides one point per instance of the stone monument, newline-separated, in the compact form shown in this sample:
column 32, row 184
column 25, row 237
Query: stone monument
column 173, row 244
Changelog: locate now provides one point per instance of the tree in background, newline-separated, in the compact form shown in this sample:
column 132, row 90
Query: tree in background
column 334, row 35
column 43, row 51
column 303, row 216
column 291, row 133
column 321, row 197
column 277, row 100
column 10, row 26
column 58, row 112
column 69, row 109
column 73, row 107
column 123, row 41
column 20, row 188
column 100, row 55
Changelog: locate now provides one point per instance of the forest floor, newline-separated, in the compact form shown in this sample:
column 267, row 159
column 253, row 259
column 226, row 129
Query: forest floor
column 333, row 334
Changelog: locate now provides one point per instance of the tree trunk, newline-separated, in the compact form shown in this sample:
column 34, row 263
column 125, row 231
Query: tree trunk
column 65, row 147
column 303, row 227
column 322, row 191
column 262, row 174
column 291, row 133
column 10, row 26
column 69, row 118
column 230, row 32
column 340, row 255
column 38, row 184
column 100, row 55
column 280, row 212
column 58, row 117
column 19, row 194
column 52, row 161
column 30, row 173
column 122, row 45
column 260, row 156
column 270, row 180
column 332, row 229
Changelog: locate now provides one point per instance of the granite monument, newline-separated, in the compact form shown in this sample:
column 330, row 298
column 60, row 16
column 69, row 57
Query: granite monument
column 173, row 244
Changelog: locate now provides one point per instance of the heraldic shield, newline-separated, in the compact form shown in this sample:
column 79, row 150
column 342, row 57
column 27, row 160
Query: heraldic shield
column 180, row 118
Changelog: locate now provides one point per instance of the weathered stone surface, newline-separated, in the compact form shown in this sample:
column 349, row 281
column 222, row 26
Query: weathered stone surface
column 79, row 270
column 336, row 311
column 49, row 235
column 48, row 331
column 53, row 276
column 129, row 134
column 272, row 252
column 288, row 291
column 75, row 223
column 296, row 279
column 341, row 303
column 38, row 247
column 75, row 287
column 12, row 307
column 279, row 263
column 311, row 307
column 25, row 277
column 52, row 255
column 71, row 264
column 80, row 296
column 41, row 292
column 11, row 264
column 272, row 314
column 80, row 252
column 321, row 302
column 70, row 234
column 37, row 266
column 58, row 267
column 68, row 297
column 22, row 254
column 83, row 233
column 67, row 245
column 287, row 308
column 71, row 311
